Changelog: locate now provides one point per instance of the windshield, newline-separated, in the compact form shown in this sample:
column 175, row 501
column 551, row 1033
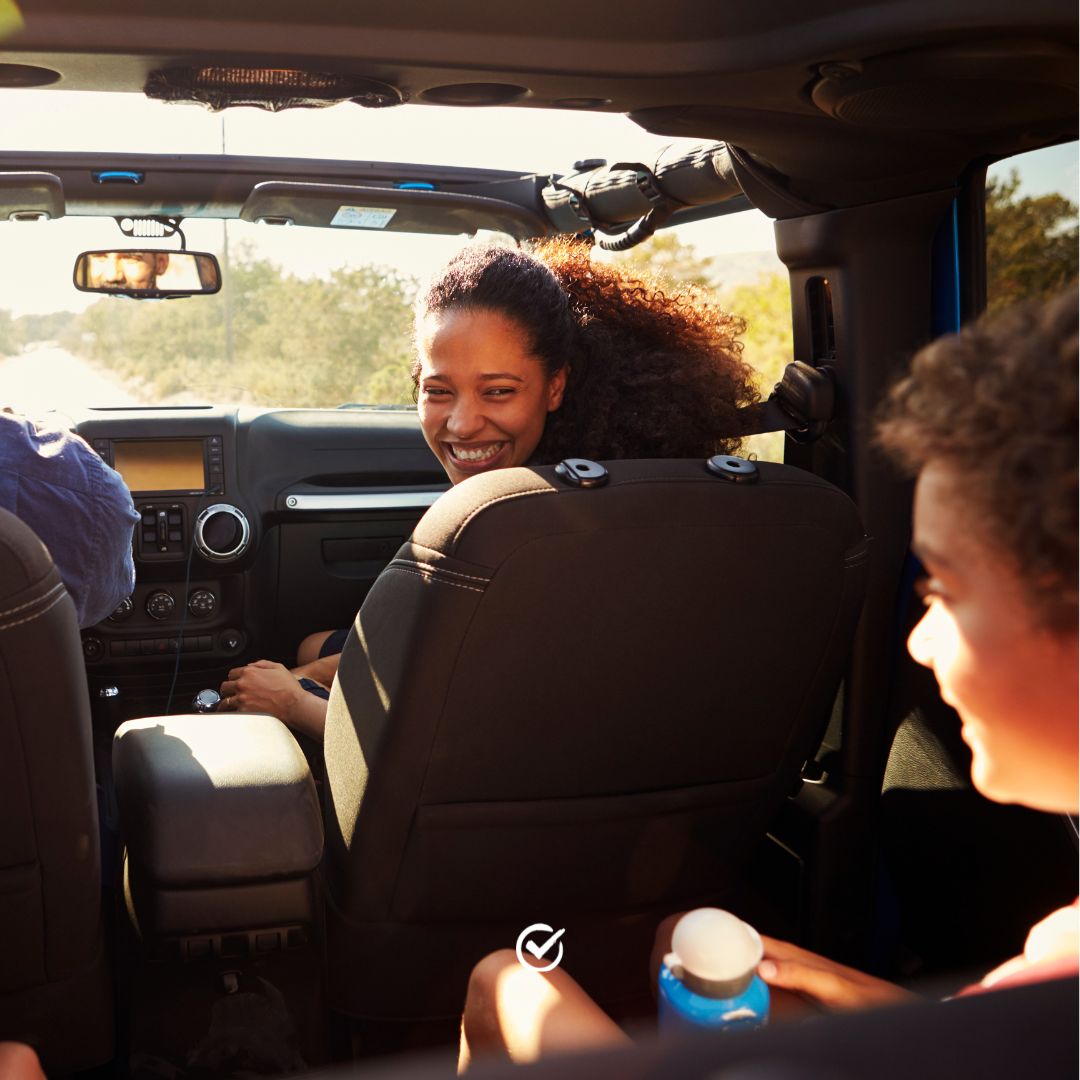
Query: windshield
column 305, row 316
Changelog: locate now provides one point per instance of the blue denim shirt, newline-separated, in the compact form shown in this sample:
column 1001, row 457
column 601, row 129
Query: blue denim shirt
column 77, row 505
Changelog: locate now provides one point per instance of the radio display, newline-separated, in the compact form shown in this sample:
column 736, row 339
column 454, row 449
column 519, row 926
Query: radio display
column 165, row 465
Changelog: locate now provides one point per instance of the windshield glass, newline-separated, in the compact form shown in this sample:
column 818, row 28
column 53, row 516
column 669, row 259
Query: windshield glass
column 305, row 316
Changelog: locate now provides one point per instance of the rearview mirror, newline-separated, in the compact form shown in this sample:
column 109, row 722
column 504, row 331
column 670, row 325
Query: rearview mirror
column 147, row 275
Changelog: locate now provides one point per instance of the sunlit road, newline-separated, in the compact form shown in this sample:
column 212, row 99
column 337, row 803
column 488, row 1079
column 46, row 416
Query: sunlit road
column 46, row 377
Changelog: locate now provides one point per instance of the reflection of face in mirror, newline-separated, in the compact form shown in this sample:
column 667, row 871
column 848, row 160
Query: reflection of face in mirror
column 126, row 269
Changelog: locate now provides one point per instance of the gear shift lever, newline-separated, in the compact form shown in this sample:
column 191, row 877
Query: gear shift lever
column 206, row 701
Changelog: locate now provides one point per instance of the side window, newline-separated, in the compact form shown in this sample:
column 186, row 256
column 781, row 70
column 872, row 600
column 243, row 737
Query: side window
column 734, row 257
column 1031, row 225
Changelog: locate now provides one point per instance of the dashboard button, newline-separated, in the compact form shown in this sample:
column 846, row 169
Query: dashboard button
column 93, row 648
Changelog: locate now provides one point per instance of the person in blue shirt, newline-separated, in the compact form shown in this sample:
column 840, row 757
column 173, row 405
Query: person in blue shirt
column 80, row 509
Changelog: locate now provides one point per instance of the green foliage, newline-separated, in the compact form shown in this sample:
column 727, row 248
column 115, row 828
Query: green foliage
column 765, row 305
column 8, row 340
column 58, row 326
column 268, row 338
column 1031, row 243
column 666, row 257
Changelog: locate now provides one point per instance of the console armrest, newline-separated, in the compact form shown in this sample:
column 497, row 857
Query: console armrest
column 216, row 800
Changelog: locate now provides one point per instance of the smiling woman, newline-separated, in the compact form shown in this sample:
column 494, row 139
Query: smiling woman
column 483, row 394
column 532, row 359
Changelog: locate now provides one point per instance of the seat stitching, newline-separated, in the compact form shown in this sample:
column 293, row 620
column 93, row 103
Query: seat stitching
column 37, row 614
column 435, row 577
column 405, row 563
column 31, row 603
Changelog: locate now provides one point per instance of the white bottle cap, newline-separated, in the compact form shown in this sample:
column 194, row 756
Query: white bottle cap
column 714, row 947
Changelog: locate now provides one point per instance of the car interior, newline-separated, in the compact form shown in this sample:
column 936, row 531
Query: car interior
column 588, row 693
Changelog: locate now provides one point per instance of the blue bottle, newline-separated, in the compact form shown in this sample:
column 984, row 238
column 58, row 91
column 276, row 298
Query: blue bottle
column 709, row 979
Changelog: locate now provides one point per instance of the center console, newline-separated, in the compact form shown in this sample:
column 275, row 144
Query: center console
column 191, row 543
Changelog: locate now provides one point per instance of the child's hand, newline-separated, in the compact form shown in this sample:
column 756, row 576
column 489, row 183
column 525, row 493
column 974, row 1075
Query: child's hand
column 824, row 982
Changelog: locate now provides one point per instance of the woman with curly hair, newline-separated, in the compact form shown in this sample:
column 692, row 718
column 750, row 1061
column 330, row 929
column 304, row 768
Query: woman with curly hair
column 604, row 364
column 987, row 420
column 527, row 359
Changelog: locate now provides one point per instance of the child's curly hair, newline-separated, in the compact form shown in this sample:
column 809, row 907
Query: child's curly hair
column 652, row 373
column 997, row 404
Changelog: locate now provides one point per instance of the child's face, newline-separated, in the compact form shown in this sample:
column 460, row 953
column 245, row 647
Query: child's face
column 1013, row 683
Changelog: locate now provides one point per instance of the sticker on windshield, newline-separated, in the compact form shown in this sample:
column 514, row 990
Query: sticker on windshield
column 362, row 217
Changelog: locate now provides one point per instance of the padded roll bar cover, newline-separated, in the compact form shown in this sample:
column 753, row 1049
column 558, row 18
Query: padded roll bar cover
column 216, row 800
column 698, row 177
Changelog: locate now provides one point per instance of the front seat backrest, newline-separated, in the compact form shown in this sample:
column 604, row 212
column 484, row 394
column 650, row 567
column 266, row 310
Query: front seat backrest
column 577, row 706
column 54, row 986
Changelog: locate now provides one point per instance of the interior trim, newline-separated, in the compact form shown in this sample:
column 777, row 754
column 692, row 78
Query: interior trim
column 380, row 500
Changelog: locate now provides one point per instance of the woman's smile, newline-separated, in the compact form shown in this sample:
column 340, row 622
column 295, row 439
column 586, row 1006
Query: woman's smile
column 482, row 396
column 480, row 455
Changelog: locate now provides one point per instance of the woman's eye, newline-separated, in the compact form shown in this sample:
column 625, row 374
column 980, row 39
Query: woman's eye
column 436, row 392
column 499, row 391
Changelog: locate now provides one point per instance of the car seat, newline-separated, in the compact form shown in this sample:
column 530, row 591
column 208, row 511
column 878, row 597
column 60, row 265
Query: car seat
column 577, row 696
column 55, row 991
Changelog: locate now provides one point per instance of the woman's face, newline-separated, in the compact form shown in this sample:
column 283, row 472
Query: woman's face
column 1013, row 682
column 483, row 398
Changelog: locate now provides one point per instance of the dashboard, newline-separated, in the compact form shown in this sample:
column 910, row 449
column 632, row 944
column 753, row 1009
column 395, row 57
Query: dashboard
column 256, row 528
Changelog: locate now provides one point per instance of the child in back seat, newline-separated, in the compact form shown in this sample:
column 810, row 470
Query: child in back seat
column 987, row 420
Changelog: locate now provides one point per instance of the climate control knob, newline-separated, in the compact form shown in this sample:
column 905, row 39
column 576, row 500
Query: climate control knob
column 160, row 604
column 202, row 603
column 123, row 610
column 222, row 533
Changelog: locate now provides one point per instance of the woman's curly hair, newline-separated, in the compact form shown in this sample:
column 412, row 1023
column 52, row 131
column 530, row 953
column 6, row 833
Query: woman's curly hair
column 652, row 372
column 997, row 405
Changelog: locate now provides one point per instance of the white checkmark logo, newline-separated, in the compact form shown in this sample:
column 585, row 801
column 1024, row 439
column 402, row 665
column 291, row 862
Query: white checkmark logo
column 540, row 949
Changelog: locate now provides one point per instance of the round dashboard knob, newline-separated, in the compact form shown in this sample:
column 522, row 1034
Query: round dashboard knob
column 222, row 533
column 160, row 604
column 124, row 610
column 202, row 603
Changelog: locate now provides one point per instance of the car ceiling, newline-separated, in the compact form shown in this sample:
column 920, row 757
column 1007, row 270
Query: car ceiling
column 840, row 102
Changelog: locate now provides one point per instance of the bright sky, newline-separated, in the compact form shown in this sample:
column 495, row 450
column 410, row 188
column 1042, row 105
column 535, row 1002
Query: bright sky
column 529, row 140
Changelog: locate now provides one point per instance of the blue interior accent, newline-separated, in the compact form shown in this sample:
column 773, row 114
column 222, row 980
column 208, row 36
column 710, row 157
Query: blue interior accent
column 118, row 176
column 945, row 280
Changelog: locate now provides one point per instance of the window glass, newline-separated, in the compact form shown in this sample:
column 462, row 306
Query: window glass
column 1031, row 225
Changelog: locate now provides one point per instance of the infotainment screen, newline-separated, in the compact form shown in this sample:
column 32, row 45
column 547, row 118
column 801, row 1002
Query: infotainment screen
column 165, row 465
